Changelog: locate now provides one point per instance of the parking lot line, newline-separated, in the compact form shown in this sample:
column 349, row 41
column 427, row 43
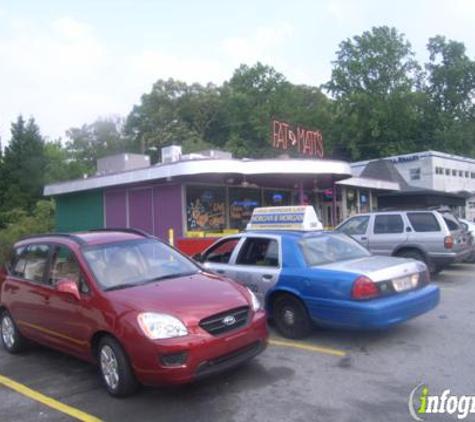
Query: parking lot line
column 48, row 401
column 301, row 346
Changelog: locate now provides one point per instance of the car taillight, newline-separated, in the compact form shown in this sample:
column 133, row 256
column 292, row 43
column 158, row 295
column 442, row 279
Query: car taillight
column 364, row 288
column 448, row 242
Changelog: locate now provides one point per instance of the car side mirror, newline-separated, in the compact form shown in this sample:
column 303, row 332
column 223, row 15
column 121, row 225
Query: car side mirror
column 198, row 257
column 69, row 287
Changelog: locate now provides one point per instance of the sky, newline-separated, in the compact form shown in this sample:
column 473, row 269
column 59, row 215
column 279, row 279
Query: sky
column 67, row 63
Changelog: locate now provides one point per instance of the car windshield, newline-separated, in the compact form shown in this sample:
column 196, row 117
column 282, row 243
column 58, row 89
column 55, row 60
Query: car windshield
column 330, row 247
column 132, row 263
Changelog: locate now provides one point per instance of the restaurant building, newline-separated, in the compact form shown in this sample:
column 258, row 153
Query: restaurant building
column 207, row 194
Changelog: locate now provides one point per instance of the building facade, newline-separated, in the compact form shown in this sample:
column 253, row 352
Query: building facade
column 436, row 171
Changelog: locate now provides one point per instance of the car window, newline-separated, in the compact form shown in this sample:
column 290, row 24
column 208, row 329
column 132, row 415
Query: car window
column 221, row 252
column 388, row 223
column 259, row 251
column 18, row 261
column 451, row 222
column 36, row 258
column 64, row 266
column 355, row 225
column 329, row 248
column 423, row 221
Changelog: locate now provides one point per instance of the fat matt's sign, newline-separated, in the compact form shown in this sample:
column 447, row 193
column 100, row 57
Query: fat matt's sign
column 290, row 137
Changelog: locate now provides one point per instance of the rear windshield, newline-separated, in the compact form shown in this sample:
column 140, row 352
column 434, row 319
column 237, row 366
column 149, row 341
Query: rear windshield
column 423, row 221
column 331, row 247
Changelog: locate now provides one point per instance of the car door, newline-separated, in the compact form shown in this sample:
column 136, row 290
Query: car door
column 217, row 258
column 388, row 232
column 258, row 264
column 25, row 292
column 69, row 322
column 357, row 228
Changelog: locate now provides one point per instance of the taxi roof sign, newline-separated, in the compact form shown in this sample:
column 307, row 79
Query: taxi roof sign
column 285, row 218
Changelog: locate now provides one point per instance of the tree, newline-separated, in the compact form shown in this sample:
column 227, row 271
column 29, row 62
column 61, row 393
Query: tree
column 253, row 97
column 177, row 113
column 451, row 88
column 96, row 140
column 59, row 166
column 374, row 81
column 23, row 166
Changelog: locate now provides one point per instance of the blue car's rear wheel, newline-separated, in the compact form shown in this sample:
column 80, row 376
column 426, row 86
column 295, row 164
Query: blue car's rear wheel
column 291, row 317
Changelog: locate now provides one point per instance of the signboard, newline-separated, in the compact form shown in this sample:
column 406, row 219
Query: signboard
column 285, row 218
column 289, row 137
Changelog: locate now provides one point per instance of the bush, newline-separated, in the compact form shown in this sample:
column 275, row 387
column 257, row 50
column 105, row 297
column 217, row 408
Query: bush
column 19, row 223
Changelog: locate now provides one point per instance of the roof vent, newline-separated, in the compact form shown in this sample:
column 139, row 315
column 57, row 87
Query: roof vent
column 171, row 154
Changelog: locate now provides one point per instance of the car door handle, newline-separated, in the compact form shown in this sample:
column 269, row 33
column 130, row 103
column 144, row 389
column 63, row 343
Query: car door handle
column 267, row 277
column 220, row 271
column 364, row 238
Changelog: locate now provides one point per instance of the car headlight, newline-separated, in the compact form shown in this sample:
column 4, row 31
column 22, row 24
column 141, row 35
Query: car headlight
column 161, row 326
column 256, row 305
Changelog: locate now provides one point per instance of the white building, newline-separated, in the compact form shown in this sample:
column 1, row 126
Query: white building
column 434, row 170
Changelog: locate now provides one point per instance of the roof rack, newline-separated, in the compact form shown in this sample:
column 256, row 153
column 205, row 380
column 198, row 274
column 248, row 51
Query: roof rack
column 70, row 236
column 123, row 230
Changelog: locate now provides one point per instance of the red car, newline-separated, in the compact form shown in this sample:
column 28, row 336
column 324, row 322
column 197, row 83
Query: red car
column 143, row 311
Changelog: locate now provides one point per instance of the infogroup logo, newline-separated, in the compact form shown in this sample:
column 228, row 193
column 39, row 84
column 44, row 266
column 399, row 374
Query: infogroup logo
column 421, row 403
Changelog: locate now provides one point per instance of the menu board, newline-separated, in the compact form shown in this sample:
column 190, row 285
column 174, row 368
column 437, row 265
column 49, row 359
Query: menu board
column 205, row 210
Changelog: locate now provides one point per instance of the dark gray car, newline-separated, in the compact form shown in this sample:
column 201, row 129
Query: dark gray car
column 427, row 236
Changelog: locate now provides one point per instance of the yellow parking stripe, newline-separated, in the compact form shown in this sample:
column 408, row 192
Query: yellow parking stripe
column 48, row 401
column 301, row 346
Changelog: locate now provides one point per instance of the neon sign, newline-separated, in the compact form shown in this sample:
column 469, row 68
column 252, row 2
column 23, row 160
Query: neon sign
column 286, row 136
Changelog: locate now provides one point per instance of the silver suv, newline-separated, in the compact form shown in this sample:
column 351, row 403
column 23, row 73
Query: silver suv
column 427, row 236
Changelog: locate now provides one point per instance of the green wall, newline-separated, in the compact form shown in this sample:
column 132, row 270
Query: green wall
column 79, row 211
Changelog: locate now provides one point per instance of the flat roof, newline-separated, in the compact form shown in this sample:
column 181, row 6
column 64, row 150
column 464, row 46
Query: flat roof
column 418, row 155
column 245, row 167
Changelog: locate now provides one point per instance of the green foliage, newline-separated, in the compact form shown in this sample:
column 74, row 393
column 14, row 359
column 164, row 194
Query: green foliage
column 96, row 140
column 23, row 166
column 378, row 108
column 21, row 223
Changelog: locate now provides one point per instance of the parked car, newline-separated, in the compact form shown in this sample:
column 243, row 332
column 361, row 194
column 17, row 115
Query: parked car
column 323, row 278
column 469, row 227
column 437, row 240
column 140, row 309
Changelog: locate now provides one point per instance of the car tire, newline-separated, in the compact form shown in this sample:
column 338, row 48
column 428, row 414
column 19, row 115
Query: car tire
column 433, row 268
column 291, row 317
column 12, row 340
column 115, row 369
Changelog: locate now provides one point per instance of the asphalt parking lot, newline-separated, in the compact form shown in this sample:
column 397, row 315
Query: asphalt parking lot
column 333, row 375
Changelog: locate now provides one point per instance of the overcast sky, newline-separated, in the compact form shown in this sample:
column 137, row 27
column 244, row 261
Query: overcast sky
column 68, row 62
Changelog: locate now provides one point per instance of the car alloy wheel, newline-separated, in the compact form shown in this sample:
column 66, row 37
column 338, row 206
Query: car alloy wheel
column 109, row 367
column 8, row 332
column 12, row 339
column 115, row 368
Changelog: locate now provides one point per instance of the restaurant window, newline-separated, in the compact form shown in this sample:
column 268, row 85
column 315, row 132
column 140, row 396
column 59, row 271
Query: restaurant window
column 364, row 200
column 460, row 173
column 242, row 202
column 276, row 198
column 466, row 174
column 415, row 174
column 447, row 172
column 205, row 210
column 454, row 172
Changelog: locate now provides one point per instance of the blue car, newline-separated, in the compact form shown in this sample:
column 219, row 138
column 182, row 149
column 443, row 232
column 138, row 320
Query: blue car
column 308, row 278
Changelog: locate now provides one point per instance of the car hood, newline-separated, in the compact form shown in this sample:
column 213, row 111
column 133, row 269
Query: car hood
column 378, row 268
column 189, row 298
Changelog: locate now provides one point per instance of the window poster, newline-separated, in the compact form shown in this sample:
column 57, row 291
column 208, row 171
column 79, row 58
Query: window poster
column 205, row 209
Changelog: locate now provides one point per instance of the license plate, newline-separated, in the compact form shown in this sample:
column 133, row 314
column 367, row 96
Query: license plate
column 401, row 284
